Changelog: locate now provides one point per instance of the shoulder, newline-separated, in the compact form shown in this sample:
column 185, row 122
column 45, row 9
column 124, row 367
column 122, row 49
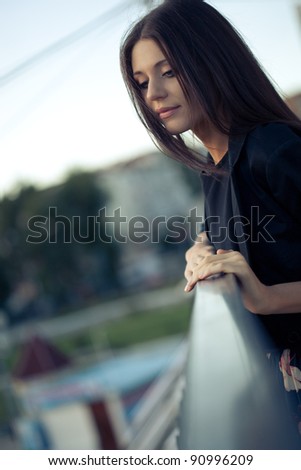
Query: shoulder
column 274, row 157
column 272, row 146
column 271, row 138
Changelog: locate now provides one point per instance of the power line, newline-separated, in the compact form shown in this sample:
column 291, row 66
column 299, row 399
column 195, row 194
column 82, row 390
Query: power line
column 66, row 41
column 76, row 36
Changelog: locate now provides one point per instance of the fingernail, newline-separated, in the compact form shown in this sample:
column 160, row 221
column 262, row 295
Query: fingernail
column 186, row 288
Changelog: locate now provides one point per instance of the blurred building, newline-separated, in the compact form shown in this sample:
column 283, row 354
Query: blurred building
column 150, row 191
column 149, row 185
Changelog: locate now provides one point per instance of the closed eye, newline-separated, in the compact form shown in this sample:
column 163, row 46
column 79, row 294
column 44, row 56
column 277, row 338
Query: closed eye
column 169, row 73
column 143, row 85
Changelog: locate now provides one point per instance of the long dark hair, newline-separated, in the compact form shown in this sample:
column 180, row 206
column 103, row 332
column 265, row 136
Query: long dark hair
column 215, row 68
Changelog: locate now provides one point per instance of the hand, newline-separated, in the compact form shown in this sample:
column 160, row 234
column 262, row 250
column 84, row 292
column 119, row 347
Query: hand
column 255, row 295
column 197, row 253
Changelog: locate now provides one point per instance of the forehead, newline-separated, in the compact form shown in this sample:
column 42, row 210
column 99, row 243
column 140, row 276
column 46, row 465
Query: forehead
column 146, row 54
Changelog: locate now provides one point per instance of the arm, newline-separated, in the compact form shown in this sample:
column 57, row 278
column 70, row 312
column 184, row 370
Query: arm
column 257, row 297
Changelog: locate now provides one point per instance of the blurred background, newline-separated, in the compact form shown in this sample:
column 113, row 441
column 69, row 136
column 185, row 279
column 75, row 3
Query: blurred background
column 93, row 318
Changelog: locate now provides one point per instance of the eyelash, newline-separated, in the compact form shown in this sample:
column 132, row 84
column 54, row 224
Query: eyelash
column 168, row 74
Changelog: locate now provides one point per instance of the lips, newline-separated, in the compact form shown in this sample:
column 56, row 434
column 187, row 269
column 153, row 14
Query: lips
column 165, row 113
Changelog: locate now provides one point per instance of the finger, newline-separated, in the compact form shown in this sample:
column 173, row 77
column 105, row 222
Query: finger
column 187, row 274
column 192, row 280
column 230, row 254
column 196, row 276
column 211, row 270
column 190, row 285
column 217, row 264
column 192, row 276
column 227, row 261
column 221, row 252
column 189, row 269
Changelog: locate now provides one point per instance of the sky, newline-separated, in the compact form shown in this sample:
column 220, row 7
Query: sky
column 67, row 108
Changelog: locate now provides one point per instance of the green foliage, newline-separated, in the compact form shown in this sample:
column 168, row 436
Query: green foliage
column 137, row 328
column 51, row 255
column 150, row 325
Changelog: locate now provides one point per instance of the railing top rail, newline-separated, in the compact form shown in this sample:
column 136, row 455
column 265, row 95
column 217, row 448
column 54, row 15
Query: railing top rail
column 231, row 399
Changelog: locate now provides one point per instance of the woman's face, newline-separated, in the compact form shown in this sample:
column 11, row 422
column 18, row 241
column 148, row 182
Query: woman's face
column 160, row 87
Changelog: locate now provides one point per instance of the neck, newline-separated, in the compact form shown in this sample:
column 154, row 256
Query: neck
column 217, row 152
column 215, row 142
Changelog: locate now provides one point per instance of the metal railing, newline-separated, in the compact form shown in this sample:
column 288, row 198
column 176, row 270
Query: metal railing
column 231, row 399
column 155, row 420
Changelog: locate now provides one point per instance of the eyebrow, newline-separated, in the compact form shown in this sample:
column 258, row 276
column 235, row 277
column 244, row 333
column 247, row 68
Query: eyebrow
column 158, row 64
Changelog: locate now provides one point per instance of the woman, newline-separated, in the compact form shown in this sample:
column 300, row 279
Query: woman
column 187, row 68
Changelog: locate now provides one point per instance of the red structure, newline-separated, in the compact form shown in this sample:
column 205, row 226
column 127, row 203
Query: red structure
column 39, row 357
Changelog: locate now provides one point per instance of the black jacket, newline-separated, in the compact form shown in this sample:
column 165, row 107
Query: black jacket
column 255, row 207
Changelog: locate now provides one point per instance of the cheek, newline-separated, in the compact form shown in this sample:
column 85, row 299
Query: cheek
column 187, row 114
column 179, row 92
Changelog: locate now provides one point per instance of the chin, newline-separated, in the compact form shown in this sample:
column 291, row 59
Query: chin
column 174, row 130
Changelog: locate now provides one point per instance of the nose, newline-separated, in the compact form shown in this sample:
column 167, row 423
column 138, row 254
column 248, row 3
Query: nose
column 155, row 90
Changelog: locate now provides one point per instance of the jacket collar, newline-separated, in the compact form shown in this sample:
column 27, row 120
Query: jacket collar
column 236, row 143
